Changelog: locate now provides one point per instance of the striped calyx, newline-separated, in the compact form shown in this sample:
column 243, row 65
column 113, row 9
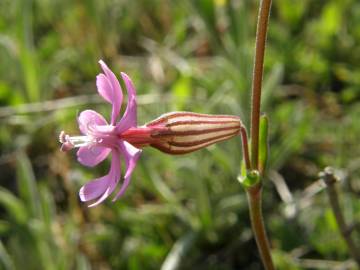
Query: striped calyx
column 184, row 132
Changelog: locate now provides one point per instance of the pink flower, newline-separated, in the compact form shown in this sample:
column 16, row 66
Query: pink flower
column 101, row 139
column 173, row 133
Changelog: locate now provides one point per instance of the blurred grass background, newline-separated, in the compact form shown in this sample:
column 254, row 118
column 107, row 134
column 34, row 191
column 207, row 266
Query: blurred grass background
column 184, row 212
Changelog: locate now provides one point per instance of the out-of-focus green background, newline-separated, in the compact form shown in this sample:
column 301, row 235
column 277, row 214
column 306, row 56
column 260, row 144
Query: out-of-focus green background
column 185, row 212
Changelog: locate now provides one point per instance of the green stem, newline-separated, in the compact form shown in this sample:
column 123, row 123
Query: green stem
column 258, row 227
column 261, row 31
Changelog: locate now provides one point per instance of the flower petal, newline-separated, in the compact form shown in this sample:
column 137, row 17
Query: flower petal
column 130, row 116
column 92, row 155
column 104, row 87
column 131, row 155
column 94, row 188
column 113, row 178
column 88, row 118
column 116, row 96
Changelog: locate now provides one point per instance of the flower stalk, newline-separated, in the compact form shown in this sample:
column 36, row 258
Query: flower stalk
column 245, row 148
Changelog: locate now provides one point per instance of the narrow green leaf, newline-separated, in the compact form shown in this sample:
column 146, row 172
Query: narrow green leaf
column 263, row 143
column 27, row 55
column 178, row 251
column 27, row 184
column 13, row 206
column 82, row 262
column 5, row 259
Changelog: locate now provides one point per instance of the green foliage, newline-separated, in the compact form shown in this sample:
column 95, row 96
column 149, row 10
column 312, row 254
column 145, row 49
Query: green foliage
column 263, row 143
column 180, row 212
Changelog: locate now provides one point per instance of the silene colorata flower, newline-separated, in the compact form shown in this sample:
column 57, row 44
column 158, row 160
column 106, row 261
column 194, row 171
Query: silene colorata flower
column 172, row 133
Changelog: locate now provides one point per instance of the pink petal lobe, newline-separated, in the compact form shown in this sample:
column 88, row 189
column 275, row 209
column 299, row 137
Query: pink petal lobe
column 130, row 116
column 89, row 118
column 104, row 87
column 131, row 155
column 116, row 96
column 93, row 155
column 94, row 189
column 113, row 178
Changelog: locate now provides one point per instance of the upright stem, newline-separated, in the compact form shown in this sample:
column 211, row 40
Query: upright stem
column 254, row 192
column 258, row 227
column 263, row 18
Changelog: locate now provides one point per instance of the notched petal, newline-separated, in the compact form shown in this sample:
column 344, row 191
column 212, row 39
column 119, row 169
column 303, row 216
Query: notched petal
column 88, row 118
column 131, row 155
column 104, row 87
column 130, row 116
column 113, row 178
column 94, row 189
column 117, row 95
column 92, row 156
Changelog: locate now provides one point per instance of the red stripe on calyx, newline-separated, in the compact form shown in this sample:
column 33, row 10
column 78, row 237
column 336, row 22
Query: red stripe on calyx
column 177, row 150
column 196, row 141
column 169, row 117
column 184, row 132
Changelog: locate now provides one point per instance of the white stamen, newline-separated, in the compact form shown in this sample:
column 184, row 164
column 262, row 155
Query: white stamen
column 70, row 142
column 79, row 141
